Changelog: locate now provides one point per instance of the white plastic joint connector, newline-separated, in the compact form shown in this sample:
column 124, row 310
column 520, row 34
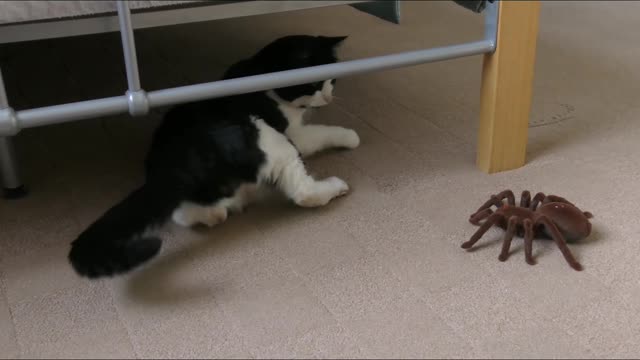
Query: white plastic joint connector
column 8, row 122
column 138, row 103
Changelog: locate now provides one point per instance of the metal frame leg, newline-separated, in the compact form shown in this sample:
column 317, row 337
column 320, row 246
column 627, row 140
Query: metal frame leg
column 9, row 174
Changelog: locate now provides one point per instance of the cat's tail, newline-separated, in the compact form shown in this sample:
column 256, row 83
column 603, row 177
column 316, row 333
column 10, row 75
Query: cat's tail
column 116, row 242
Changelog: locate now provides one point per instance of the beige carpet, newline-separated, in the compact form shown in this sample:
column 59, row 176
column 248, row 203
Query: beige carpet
column 379, row 273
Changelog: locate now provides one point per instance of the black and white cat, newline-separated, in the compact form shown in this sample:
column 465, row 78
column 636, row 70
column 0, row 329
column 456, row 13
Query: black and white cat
column 208, row 159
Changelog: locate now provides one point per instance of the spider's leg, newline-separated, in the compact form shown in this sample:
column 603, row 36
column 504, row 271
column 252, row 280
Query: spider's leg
column 528, row 242
column 493, row 200
column 480, row 215
column 507, row 194
column 483, row 229
column 525, row 199
column 588, row 215
column 508, row 236
column 536, row 200
column 562, row 244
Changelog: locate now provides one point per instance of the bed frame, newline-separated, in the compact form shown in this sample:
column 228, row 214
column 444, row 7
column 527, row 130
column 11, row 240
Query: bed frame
column 508, row 45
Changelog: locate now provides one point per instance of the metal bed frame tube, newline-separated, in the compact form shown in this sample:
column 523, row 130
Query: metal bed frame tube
column 72, row 111
column 119, row 104
column 136, row 97
column 128, row 46
column 311, row 74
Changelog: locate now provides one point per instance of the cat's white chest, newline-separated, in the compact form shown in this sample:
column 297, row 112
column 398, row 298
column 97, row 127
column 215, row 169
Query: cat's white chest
column 294, row 115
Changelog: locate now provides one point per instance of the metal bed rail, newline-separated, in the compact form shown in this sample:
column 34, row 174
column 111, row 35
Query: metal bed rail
column 137, row 102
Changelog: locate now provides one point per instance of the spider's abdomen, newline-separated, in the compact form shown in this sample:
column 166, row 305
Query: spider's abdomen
column 571, row 221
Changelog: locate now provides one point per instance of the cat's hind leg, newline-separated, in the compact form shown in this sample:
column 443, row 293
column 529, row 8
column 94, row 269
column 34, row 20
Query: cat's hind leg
column 284, row 168
column 189, row 214
column 310, row 139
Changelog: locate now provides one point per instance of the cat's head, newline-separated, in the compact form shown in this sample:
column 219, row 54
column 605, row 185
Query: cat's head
column 294, row 52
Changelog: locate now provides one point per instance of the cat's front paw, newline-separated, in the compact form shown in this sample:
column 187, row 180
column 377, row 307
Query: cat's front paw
column 338, row 186
column 181, row 217
column 214, row 216
column 349, row 139
column 323, row 192
column 189, row 215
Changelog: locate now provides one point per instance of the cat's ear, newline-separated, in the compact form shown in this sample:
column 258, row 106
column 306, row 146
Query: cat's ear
column 333, row 41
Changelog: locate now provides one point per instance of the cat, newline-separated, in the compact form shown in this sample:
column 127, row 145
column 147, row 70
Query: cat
column 209, row 158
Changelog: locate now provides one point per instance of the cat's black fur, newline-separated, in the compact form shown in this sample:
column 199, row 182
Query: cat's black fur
column 201, row 152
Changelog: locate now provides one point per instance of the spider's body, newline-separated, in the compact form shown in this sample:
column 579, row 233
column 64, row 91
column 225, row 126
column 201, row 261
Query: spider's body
column 550, row 215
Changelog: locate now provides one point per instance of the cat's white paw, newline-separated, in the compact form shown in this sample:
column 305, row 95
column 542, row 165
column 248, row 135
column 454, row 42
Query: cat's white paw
column 183, row 216
column 322, row 192
column 188, row 215
column 214, row 216
column 339, row 186
column 349, row 139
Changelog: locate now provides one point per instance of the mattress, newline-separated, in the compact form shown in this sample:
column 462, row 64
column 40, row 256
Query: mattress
column 12, row 12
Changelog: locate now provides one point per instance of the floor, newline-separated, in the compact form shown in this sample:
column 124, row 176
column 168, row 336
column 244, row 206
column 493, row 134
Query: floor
column 378, row 273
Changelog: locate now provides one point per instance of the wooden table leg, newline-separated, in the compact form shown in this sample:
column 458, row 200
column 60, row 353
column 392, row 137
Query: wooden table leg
column 507, row 80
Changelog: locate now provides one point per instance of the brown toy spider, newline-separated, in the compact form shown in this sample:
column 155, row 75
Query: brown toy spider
column 548, row 215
